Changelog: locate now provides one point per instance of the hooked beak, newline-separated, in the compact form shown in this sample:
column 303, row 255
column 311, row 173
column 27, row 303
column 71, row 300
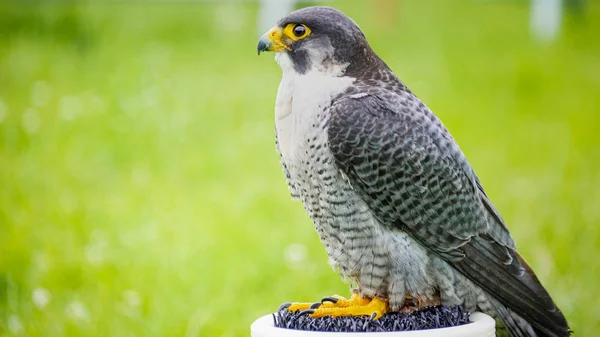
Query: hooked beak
column 272, row 41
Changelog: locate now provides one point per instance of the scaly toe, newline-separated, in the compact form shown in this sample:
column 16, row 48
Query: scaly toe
column 339, row 306
column 328, row 302
column 374, row 308
column 293, row 307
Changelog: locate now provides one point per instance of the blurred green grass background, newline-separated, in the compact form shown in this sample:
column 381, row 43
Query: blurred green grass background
column 140, row 191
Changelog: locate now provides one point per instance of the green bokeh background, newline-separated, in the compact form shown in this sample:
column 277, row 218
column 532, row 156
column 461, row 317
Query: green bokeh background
column 140, row 190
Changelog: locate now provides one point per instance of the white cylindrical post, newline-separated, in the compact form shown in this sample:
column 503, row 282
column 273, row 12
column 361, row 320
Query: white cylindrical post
column 546, row 17
column 481, row 325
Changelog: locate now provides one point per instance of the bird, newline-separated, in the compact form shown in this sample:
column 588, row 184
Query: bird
column 396, row 204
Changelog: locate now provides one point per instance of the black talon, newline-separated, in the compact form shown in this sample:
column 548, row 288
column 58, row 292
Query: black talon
column 329, row 299
column 316, row 305
column 284, row 306
column 307, row 311
column 373, row 315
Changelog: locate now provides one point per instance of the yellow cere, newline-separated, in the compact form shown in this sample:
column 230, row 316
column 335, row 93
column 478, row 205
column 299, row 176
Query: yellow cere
column 275, row 34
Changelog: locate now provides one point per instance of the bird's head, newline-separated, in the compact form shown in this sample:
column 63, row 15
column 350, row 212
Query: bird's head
column 318, row 38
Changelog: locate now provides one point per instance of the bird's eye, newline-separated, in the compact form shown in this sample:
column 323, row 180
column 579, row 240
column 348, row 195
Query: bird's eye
column 299, row 30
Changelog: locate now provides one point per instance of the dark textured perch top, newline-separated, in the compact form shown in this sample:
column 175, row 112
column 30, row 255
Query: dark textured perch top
column 428, row 318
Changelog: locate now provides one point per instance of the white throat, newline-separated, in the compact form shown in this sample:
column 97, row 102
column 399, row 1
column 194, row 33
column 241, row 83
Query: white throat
column 303, row 99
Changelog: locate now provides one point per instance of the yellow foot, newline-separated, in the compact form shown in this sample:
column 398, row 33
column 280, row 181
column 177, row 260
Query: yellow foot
column 338, row 306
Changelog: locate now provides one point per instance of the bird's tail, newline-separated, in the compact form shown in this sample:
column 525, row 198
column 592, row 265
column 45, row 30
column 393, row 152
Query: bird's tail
column 513, row 325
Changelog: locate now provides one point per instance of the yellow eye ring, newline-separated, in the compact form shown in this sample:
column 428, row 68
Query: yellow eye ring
column 296, row 31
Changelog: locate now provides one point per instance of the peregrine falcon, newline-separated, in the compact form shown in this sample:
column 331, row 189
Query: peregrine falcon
column 396, row 204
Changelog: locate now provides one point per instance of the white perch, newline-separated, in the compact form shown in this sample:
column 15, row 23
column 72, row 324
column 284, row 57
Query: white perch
column 481, row 325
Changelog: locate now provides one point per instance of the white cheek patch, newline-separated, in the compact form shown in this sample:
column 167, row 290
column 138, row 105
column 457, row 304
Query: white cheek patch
column 285, row 62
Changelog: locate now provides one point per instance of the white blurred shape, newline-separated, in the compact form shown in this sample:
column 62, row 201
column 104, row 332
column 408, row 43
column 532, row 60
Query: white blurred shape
column 41, row 93
column 546, row 17
column 41, row 297
column 14, row 324
column 77, row 310
column 30, row 120
column 3, row 110
column 70, row 107
column 295, row 255
column 132, row 298
column 94, row 253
